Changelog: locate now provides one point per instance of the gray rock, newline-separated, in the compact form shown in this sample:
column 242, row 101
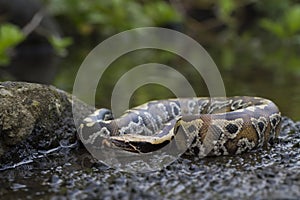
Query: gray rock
column 34, row 116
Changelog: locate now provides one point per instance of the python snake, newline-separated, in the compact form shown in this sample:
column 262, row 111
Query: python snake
column 237, row 124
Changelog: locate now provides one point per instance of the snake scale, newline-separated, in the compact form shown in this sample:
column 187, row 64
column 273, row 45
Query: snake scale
column 238, row 124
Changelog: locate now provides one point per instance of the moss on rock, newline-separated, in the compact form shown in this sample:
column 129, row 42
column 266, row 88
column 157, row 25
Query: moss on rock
column 34, row 116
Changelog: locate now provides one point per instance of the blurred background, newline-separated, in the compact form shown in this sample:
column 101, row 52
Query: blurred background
column 255, row 44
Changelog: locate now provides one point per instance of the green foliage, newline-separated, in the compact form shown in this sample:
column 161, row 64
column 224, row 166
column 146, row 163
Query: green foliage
column 111, row 16
column 10, row 36
column 268, row 37
column 161, row 13
column 226, row 7
column 274, row 26
column 60, row 44
column 286, row 25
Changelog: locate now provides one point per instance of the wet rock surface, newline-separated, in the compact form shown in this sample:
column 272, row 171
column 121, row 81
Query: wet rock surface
column 66, row 172
column 34, row 118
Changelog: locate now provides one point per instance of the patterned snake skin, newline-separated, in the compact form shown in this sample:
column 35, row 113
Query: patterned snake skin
column 214, row 126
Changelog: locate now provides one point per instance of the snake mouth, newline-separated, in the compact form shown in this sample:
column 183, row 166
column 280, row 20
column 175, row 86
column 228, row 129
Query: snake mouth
column 145, row 144
column 139, row 146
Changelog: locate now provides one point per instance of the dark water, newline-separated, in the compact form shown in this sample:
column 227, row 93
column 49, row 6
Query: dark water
column 285, row 93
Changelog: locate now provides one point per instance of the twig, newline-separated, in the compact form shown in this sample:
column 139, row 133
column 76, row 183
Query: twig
column 34, row 23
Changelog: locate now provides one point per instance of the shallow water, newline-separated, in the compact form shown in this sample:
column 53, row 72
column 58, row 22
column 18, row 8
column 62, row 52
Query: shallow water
column 67, row 173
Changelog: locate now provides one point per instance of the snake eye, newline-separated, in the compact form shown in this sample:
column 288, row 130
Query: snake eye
column 104, row 114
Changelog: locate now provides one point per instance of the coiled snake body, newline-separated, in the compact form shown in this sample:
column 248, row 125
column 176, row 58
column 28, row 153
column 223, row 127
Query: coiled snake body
column 214, row 126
